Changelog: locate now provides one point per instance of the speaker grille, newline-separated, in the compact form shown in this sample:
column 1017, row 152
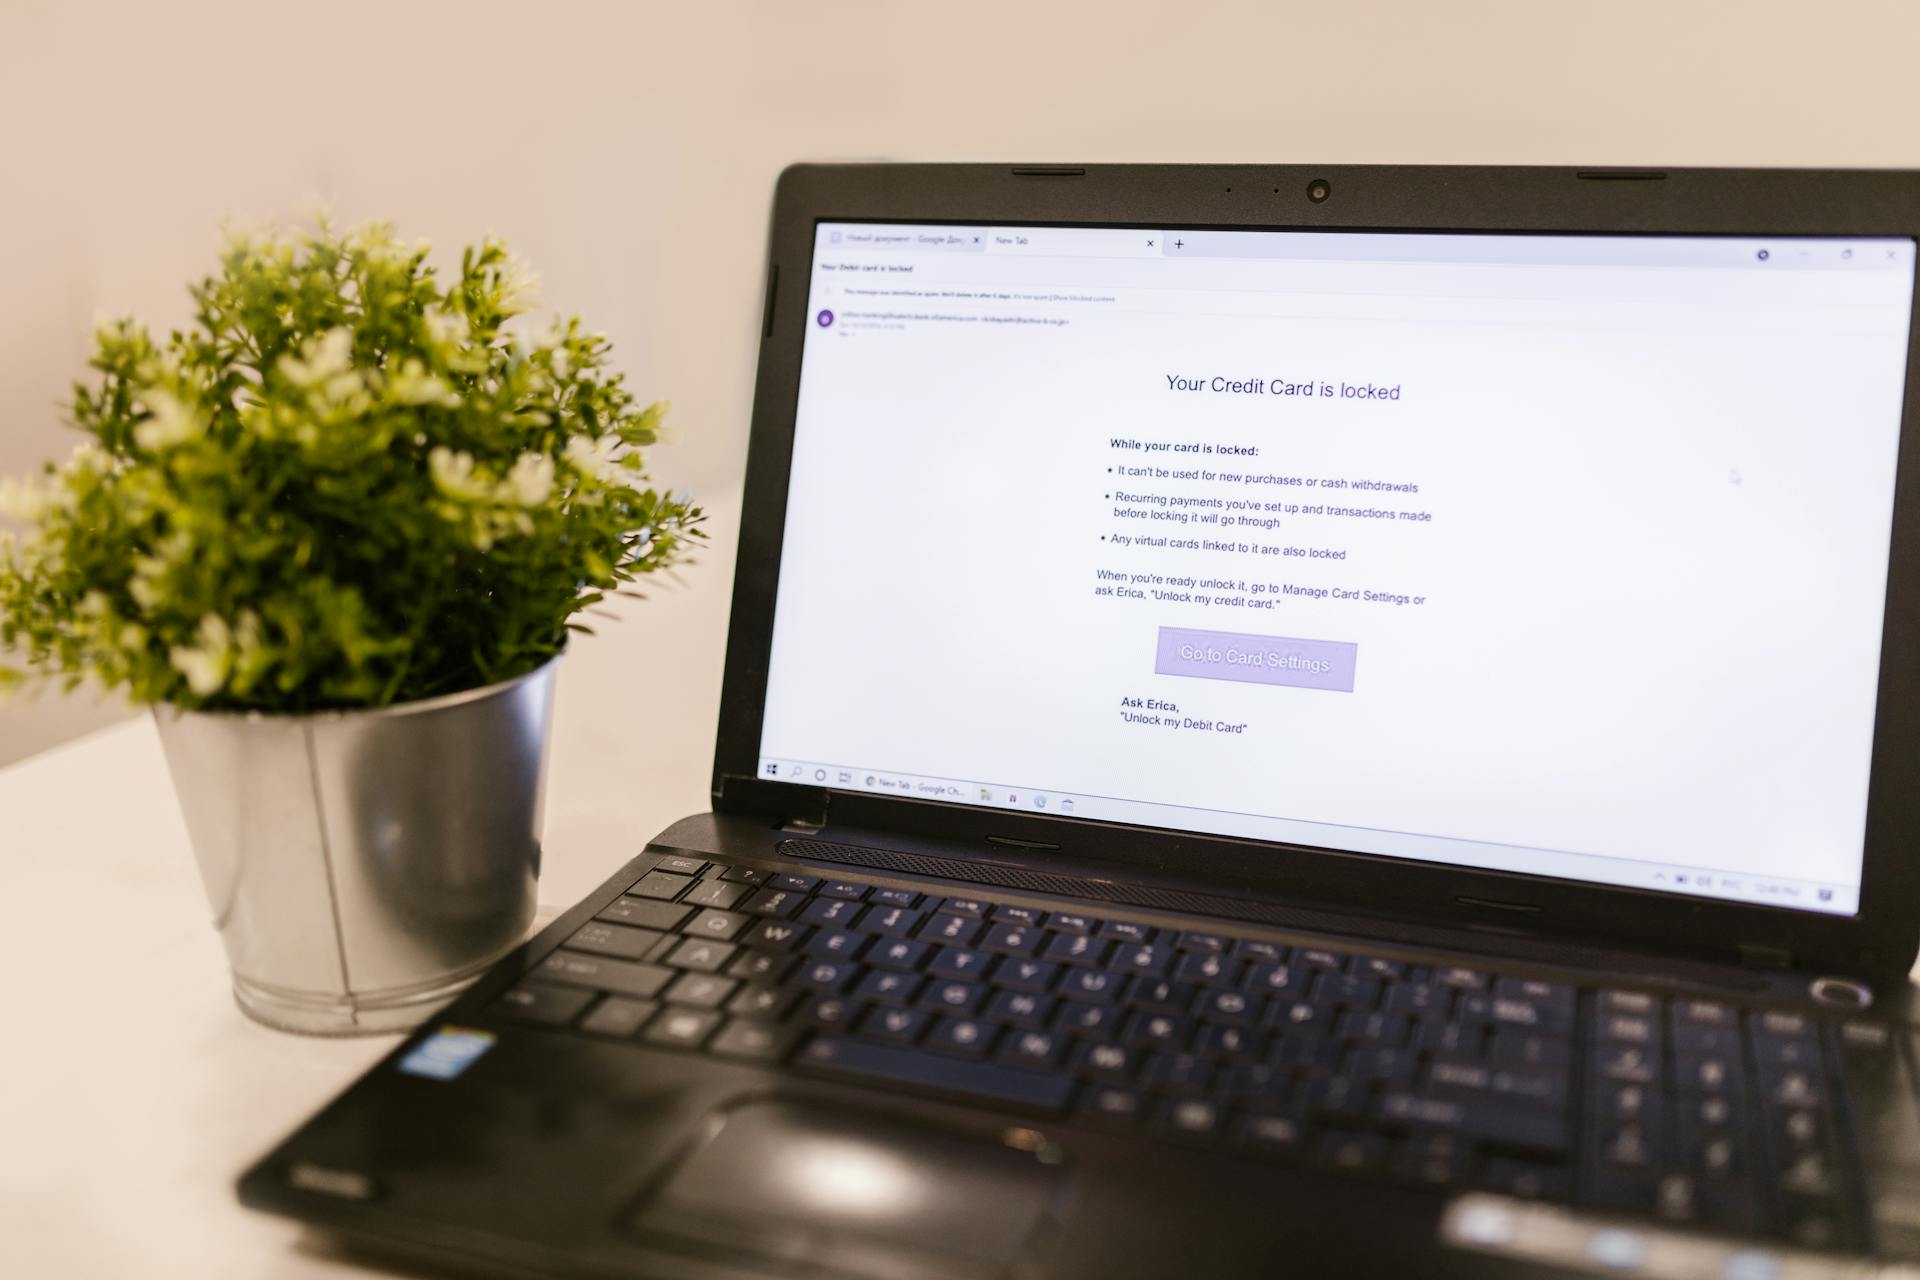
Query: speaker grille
column 1254, row 910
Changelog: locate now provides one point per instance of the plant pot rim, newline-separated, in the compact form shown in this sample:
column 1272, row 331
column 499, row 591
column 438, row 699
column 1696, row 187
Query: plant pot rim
column 418, row 706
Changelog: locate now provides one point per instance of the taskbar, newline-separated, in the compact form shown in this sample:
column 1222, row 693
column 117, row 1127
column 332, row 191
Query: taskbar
column 1696, row 881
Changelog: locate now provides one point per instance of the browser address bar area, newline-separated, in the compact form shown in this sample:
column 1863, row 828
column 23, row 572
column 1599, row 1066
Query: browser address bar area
column 1035, row 242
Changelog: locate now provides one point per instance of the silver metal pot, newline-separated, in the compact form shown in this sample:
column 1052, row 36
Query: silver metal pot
column 363, row 866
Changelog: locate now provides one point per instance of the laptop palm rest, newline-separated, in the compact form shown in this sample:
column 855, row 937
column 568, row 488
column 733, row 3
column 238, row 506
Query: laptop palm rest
column 799, row 1189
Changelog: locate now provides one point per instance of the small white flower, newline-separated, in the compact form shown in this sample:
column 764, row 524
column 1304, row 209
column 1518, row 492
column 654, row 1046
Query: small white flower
column 562, row 363
column 453, row 475
column 173, row 421
column 22, row 499
column 321, row 359
column 530, row 480
column 444, row 328
column 414, row 385
column 205, row 664
column 595, row 457
column 519, row 286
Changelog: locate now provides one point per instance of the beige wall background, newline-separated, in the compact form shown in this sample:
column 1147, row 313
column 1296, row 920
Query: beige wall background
column 629, row 150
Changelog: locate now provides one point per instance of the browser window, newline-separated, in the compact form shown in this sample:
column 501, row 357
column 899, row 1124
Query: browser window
column 1563, row 555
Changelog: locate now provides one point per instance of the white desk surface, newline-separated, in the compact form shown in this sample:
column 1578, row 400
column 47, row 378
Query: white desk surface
column 132, row 1091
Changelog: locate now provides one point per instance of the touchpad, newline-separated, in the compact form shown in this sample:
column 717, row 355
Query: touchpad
column 800, row 1187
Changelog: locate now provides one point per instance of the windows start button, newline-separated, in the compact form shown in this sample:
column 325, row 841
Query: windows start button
column 1233, row 655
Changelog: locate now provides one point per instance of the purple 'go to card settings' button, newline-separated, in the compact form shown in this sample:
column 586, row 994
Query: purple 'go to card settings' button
column 1232, row 655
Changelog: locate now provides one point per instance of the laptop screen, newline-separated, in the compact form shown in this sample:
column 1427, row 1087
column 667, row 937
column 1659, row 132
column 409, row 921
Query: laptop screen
column 1559, row 555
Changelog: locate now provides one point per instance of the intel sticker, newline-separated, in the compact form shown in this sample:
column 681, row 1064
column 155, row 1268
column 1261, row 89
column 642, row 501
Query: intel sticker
column 446, row 1053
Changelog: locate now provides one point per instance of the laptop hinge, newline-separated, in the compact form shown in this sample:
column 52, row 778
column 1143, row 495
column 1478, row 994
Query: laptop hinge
column 795, row 808
column 1756, row 955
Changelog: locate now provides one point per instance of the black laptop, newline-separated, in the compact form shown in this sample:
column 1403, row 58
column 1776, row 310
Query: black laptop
column 1277, row 721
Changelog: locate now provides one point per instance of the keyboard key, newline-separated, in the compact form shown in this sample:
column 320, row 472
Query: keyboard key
column 1036, row 976
column 953, row 962
column 791, row 880
column 1180, row 1073
column 768, row 1004
column 890, row 922
column 1019, row 1009
column 1071, row 922
column 681, row 866
column 1317, row 958
column 620, row 976
column 1493, row 1123
column 829, row 1011
column 1551, row 995
column 844, row 889
column 988, row 1082
column 715, row 893
column 1705, row 1013
column 1095, row 1020
column 967, row 1037
column 1032, row 1048
column 1208, row 968
column 781, row 903
column 1097, row 985
column 825, row 975
column 619, row 1016
column 1190, row 1120
column 750, row 1041
column 773, row 935
column 614, row 940
column 837, row 912
column 1115, row 1108
column 1258, row 952
column 952, row 930
column 541, row 1005
column 902, row 1026
column 965, row 907
column 1127, row 931
column 898, row 953
column 659, row 884
column 760, row 966
column 1143, row 959
column 1107, row 1062
column 1228, row 1006
column 1075, row 948
column 1011, row 939
column 894, row 897
column 682, row 1028
column 746, row 875
column 1518, row 1047
column 836, row 944
column 1462, row 979
column 723, row 925
column 1158, row 1030
column 885, row 986
column 644, row 913
column 1273, row 979
column 700, row 955
column 1008, row 914
column 953, row 997
column 700, row 990
column 1160, row 996
column 1197, row 940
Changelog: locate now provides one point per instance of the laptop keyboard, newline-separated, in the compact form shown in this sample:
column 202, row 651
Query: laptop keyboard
column 1691, row 1111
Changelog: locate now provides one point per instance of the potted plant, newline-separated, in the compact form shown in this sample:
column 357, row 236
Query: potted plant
column 334, row 533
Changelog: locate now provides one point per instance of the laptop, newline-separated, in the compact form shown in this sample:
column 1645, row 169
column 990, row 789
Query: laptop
column 1276, row 720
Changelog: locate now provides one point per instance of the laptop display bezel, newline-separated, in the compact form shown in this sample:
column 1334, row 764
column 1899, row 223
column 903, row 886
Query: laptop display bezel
column 1879, row 941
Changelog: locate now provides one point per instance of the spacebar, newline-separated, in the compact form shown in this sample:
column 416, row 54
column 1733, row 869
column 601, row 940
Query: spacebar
column 981, row 1081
